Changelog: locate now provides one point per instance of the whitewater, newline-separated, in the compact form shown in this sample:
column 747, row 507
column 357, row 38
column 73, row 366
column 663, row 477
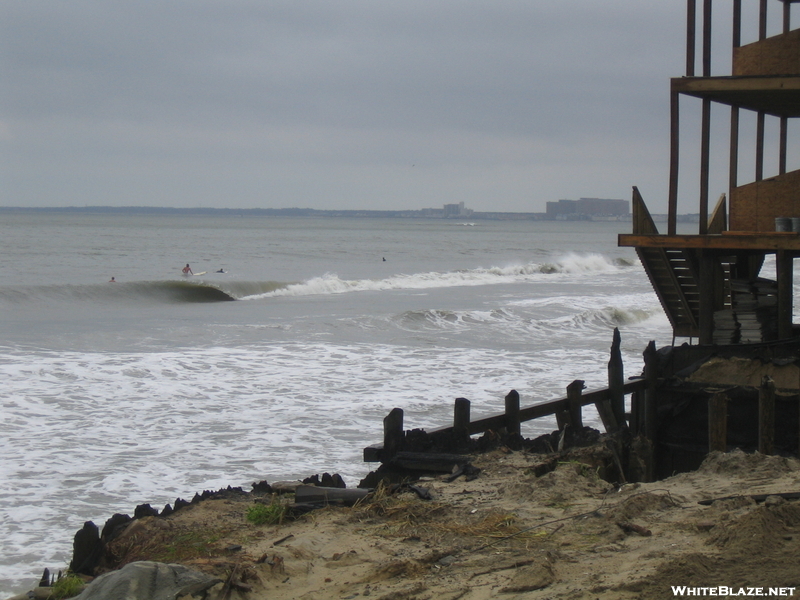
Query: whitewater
column 282, row 366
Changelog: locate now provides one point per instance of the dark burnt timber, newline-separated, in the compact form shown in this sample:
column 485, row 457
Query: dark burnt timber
column 433, row 451
column 702, row 279
column 690, row 401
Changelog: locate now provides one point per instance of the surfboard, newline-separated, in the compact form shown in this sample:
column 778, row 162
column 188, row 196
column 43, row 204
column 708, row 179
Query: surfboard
column 200, row 273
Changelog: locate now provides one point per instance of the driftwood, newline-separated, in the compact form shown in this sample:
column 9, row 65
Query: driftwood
column 756, row 497
column 429, row 461
column 311, row 494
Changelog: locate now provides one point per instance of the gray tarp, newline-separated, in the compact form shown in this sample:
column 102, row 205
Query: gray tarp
column 148, row 581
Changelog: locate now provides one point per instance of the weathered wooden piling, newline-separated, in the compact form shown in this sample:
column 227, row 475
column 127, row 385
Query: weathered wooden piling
column 512, row 412
column 574, row 391
column 616, row 382
column 393, row 433
column 568, row 411
column 461, row 419
column 650, row 416
column 766, row 416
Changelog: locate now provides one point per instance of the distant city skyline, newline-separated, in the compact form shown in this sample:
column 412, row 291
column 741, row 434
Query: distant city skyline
column 581, row 209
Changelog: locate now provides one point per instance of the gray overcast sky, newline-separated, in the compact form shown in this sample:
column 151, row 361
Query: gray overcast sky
column 375, row 104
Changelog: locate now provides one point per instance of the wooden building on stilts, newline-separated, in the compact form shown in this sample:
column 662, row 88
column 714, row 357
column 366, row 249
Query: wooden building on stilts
column 736, row 381
column 708, row 282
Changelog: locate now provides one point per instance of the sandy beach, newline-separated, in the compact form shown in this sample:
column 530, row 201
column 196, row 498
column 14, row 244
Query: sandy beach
column 508, row 533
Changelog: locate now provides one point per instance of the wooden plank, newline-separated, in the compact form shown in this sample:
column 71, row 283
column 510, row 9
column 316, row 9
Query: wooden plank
column 755, row 206
column 776, row 55
column 607, row 416
column 324, row 495
column 746, row 241
column 718, row 222
column 699, row 85
column 774, row 95
column 643, row 223
column 429, row 461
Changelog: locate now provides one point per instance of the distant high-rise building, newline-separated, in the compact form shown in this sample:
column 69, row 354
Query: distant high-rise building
column 586, row 208
column 456, row 210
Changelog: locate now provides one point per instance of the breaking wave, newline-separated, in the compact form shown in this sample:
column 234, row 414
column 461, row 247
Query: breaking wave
column 569, row 264
column 155, row 291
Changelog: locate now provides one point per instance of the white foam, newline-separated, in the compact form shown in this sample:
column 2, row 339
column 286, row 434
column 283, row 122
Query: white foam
column 90, row 434
column 330, row 283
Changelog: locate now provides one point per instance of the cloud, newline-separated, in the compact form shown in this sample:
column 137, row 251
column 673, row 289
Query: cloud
column 503, row 105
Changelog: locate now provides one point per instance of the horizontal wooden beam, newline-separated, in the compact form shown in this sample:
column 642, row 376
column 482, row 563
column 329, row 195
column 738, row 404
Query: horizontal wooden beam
column 773, row 95
column 767, row 242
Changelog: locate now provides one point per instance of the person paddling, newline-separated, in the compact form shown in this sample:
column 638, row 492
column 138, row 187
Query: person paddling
column 187, row 270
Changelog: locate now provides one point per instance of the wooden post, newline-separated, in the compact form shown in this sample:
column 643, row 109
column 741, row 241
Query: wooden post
column 674, row 163
column 718, row 422
column 636, row 413
column 607, row 415
column 461, row 419
column 691, row 36
column 766, row 416
column 616, row 380
column 784, row 267
column 392, row 434
column 650, row 402
column 512, row 413
column 650, row 421
column 707, row 301
column 574, row 390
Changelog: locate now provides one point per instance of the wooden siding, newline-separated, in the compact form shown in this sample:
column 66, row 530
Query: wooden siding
column 755, row 206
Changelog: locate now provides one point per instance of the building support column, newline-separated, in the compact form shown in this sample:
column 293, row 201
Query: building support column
column 707, row 300
column 784, row 264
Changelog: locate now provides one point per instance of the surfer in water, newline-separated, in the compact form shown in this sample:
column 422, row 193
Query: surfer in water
column 187, row 270
column 112, row 280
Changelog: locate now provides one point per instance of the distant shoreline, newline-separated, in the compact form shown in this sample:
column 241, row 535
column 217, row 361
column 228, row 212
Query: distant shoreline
column 425, row 213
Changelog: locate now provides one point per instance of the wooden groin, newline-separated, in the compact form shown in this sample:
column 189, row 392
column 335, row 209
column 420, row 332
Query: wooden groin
column 609, row 402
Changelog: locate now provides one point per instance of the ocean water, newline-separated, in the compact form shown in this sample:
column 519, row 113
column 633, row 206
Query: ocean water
column 158, row 386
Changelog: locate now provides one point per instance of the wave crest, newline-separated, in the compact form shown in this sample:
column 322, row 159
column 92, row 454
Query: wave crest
column 330, row 283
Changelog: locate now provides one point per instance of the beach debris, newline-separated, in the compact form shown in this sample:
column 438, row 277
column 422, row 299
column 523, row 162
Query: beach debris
column 312, row 494
column 283, row 539
column 469, row 472
column 634, row 528
column 756, row 497
column 327, row 480
column 146, row 580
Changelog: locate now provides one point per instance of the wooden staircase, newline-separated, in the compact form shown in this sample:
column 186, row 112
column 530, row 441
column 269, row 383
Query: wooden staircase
column 673, row 272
